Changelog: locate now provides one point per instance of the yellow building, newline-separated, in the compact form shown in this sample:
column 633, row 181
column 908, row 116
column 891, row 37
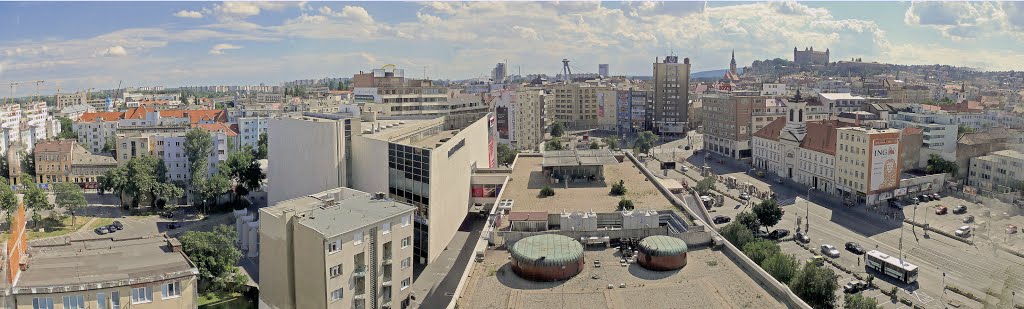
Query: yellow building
column 867, row 163
column 67, row 161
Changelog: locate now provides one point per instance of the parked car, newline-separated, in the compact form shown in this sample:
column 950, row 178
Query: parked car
column 779, row 234
column 685, row 168
column 801, row 237
column 744, row 196
column 960, row 209
column 480, row 258
column 687, row 147
column 936, row 196
column 111, row 228
column 854, row 286
column 924, row 198
column 817, row 259
column 963, row 231
column 968, row 219
column 854, row 247
column 941, row 210
column 118, row 225
column 829, row 250
column 167, row 214
column 102, row 230
column 720, row 219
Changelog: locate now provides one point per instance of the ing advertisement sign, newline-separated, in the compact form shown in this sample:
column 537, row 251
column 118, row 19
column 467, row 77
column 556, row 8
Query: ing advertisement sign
column 884, row 162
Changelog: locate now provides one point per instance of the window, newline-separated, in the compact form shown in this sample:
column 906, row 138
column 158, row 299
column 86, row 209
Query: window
column 406, row 262
column 74, row 302
column 386, row 228
column 336, row 294
column 42, row 303
column 142, row 295
column 405, row 283
column 172, row 289
column 115, row 300
column 336, row 271
column 101, row 301
column 405, row 220
column 357, row 238
column 405, row 242
column 334, row 246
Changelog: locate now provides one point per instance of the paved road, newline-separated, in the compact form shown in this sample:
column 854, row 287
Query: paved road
column 435, row 285
column 977, row 268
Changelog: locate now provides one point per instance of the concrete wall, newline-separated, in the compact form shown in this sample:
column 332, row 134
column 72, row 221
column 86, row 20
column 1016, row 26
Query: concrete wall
column 370, row 164
column 275, row 262
column 188, row 298
column 309, row 272
column 450, row 182
column 307, row 157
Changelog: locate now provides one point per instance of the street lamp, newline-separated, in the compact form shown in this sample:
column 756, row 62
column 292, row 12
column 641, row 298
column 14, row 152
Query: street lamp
column 807, row 210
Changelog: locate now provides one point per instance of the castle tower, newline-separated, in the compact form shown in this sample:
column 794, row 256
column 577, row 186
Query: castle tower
column 732, row 64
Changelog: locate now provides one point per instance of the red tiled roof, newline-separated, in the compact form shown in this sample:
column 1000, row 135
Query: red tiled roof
column 195, row 116
column 102, row 116
column 217, row 127
column 528, row 216
column 772, row 130
column 821, row 135
column 912, row 131
column 138, row 112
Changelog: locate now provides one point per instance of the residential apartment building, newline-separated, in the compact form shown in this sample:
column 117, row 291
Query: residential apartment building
column 26, row 124
column 464, row 109
column 168, row 143
column 340, row 248
column 150, row 273
column 998, row 172
column 250, row 129
column 671, row 94
column 518, row 117
column 837, row 103
column 94, row 129
column 972, row 145
column 576, row 105
column 427, row 165
column 74, row 112
column 631, row 109
column 388, row 92
column 773, row 89
column 59, row 161
column 867, row 163
column 62, row 100
column 940, row 132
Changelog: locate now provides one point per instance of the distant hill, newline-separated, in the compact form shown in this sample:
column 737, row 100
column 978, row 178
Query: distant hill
column 712, row 74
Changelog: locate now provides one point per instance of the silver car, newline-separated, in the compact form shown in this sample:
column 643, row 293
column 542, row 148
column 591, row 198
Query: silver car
column 830, row 251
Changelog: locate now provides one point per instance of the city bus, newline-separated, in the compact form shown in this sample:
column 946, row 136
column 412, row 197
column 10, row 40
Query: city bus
column 891, row 266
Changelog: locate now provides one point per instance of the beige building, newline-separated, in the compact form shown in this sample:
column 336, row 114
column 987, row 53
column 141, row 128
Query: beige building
column 867, row 163
column 67, row 161
column 62, row 100
column 576, row 104
column 415, row 161
column 999, row 172
column 671, row 94
column 104, row 273
column 518, row 117
column 340, row 248
column 727, row 123
column 388, row 92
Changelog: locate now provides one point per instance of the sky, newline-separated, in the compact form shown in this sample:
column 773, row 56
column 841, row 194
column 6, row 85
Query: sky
column 78, row 45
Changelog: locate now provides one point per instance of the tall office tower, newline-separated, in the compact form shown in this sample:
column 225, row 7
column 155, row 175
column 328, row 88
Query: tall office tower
column 671, row 94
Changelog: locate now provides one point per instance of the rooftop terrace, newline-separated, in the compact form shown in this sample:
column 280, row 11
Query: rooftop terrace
column 106, row 261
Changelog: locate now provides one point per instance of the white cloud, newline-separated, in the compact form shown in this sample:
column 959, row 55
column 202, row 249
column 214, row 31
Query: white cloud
column 220, row 48
column 240, row 9
column 189, row 14
column 115, row 51
column 963, row 20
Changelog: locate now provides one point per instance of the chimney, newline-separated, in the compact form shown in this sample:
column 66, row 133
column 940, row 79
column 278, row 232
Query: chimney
column 174, row 244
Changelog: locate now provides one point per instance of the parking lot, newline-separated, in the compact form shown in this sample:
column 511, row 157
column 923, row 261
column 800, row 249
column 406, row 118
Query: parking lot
column 135, row 226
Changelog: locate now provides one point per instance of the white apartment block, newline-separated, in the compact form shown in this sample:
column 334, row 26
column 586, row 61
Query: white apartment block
column 842, row 102
column 518, row 117
column 773, row 89
column 250, row 128
column 340, row 248
column 26, row 125
column 169, row 145
column 999, row 172
column 940, row 130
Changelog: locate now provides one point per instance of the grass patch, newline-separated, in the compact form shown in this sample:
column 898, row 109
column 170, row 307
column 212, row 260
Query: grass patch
column 232, row 301
column 100, row 222
column 51, row 228
column 712, row 263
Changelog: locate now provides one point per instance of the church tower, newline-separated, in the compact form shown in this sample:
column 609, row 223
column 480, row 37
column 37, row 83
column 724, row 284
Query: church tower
column 732, row 64
column 795, row 128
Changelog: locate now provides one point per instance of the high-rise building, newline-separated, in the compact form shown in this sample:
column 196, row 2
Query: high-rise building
column 340, row 248
column 579, row 105
column 602, row 69
column 388, row 92
column 499, row 73
column 671, row 94
column 518, row 117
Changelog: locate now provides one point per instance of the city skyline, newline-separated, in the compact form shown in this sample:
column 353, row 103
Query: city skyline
column 206, row 43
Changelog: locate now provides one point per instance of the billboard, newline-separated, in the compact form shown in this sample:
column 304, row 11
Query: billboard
column 884, row 161
column 502, row 121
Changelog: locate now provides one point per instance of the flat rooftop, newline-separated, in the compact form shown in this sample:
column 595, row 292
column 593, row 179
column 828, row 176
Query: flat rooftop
column 709, row 280
column 528, row 178
column 338, row 211
column 588, row 157
column 104, row 261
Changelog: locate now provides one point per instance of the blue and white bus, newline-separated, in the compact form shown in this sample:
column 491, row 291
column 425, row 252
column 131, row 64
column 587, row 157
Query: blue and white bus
column 891, row 266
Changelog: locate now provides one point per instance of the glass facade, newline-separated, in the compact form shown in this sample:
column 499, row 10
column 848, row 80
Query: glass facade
column 409, row 182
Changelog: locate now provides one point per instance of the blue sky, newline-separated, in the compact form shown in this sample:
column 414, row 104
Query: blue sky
column 78, row 45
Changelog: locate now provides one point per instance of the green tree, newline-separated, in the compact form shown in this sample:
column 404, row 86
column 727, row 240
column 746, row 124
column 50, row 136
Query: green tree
column 748, row 220
column 35, row 199
column 619, row 188
column 67, row 130
column 546, row 191
column 781, row 266
column 506, row 155
column 116, row 180
column 243, row 170
column 594, row 145
column 554, row 144
column 69, row 197
column 215, row 255
column 110, row 145
column 963, row 129
column 816, row 285
column 8, row 200
column 5, row 168
column 768, row 213
column 937, row 164
column 198, row 147
column 625, row 204
column 737, row 234
column 557, row 129
column 261, row 147
column 611, row 142
column 705, row 185
column 28, row 163
column 759, row 250
column 858, row 301
column 645, row 142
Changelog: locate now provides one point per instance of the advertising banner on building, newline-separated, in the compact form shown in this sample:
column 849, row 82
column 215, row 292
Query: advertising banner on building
column 502, row 121
column 884, row 161
column 600, row 105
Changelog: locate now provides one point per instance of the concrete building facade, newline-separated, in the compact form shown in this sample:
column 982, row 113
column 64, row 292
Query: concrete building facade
column 999, row 172
column 519, row 117
column 388, row 92
column 340, row 248
column 671, row 95
column 579, row 105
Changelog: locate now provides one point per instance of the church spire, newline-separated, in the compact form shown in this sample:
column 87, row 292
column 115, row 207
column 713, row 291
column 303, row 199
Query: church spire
column 732, row 63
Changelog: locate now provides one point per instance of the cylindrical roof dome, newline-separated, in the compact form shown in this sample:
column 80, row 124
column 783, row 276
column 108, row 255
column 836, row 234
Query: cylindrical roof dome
column 661, row 245
column 547, row 250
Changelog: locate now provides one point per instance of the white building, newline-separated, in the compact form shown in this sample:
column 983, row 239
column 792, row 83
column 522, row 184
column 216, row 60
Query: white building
column 842, row 102
column 773, row 89
column 940, row 130
column 74, row 112
column 250, row 128
column 998, row 172
column 426, row 166
column 518, row 117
